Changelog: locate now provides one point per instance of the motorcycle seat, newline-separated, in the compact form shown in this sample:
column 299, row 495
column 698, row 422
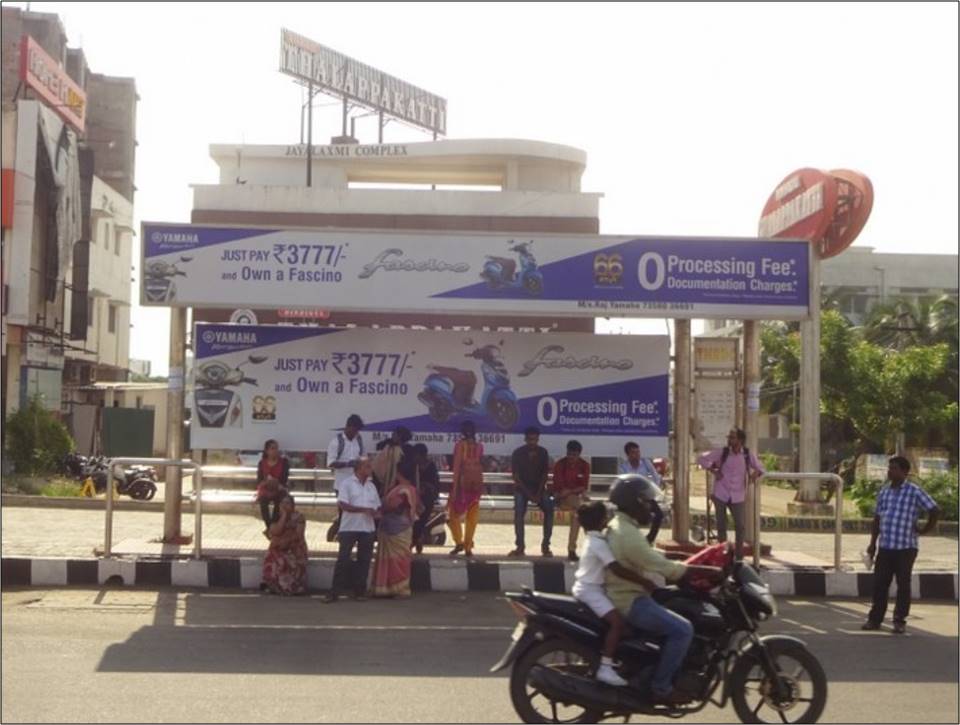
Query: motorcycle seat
column 464, row 382
column 508, row 265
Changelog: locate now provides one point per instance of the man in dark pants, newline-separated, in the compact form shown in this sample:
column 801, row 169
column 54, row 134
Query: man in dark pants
column 895, row 525
column 428, row 486
column 530, row 465
column 360, row 503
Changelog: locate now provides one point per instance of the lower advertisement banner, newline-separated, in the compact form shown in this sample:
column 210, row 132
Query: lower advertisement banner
column 298, row 385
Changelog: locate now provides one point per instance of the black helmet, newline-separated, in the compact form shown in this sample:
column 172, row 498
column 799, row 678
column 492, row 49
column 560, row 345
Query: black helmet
column 631, row 487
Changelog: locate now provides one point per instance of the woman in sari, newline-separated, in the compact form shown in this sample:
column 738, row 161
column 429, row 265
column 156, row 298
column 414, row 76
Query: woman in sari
column 285, row 565
column 466, row 489
column 401, row 507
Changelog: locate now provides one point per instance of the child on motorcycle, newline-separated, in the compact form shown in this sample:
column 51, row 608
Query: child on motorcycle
column 589, row 587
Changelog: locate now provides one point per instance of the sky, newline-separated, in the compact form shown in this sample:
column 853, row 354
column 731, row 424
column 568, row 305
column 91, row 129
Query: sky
column 690, row 114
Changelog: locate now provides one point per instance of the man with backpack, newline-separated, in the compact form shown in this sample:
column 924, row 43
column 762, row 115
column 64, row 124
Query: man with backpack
column 733, row 466
column 345, row 449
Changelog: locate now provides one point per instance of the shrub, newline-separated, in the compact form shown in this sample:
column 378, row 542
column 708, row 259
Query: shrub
column 770, row 461
column 61, row 489
column 942, row 488
column 36, row 440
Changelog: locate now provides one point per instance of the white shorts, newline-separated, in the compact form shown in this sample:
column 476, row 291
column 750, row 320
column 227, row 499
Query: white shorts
column 595, row 597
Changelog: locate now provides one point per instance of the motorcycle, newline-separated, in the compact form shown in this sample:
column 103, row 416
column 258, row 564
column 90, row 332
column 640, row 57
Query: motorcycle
column 501, row 272
column 138, row 482
column 158, row 284
column 217, row 405
column 555, row 652
column 447, row 390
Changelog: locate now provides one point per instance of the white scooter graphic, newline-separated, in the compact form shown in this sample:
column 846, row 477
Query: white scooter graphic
column 217, row 405
column 158, row 284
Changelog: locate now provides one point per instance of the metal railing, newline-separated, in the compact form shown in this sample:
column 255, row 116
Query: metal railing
column 322, row 480
column 838, row 530
column 197, row 497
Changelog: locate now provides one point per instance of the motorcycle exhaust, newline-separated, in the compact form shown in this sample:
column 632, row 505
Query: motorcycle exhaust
column 586, row 692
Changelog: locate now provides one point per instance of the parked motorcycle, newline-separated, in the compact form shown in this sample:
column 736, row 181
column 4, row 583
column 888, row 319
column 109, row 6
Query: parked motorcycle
column 158, row 280
column 217, row 405
column 501, row 272
column 138, row 482
column 448, row 391
column 555, row 652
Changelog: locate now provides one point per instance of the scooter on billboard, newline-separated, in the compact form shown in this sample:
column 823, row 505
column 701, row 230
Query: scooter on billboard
column 158, row 280
column 501, row 272
column 217, row 405
column 448, row 390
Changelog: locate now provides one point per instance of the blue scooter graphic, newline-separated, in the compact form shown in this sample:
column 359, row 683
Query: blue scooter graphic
column 501, row 272
column 447, row 390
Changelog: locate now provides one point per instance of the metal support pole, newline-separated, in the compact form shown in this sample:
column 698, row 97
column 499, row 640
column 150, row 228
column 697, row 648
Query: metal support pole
column 197, row 509
column 810, row 376
column 751, row 407
column 800, row 478
column 681, row 432
column 380, row 128
column 310, row 134
column 171, row 504
column 346, row 110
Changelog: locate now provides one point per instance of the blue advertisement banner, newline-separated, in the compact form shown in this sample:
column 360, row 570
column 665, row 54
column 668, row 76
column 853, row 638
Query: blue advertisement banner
column 568, row 275
column 299, row 385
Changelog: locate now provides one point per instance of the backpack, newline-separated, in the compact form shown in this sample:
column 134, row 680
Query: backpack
column 746, row 458
column 342, row 442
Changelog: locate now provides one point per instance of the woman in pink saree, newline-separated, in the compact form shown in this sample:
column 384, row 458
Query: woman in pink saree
column 401, row 507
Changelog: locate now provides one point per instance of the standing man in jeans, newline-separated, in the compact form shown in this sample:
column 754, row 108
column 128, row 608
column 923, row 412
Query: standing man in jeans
column 360, row 503
column 530, row 465
column 733, row 466
column 895, row 526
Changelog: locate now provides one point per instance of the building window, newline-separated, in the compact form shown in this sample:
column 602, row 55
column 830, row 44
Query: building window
column 90, row 310
column 112, row 319
column 139, row 402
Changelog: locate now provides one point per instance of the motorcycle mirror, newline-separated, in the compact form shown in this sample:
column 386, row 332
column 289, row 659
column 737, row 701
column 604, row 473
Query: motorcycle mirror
column 257, row 359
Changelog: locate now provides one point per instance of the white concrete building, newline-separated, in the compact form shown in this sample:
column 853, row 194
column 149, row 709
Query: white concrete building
column 107, row 349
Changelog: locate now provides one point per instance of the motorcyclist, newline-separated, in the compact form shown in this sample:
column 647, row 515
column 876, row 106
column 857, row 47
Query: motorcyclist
column 635, row 498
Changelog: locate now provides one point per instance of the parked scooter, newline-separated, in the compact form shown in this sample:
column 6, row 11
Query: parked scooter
column 501, row 272
column 217, row 405
column 138, row 482
column 158, row 284
column 447, row 390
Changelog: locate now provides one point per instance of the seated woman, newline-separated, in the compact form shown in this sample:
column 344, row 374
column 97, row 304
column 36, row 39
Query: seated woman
column 285, row 565
column 273, row 475
column 401, row 507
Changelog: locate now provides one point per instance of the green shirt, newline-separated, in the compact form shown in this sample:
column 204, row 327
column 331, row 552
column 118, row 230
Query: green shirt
column 632, row 550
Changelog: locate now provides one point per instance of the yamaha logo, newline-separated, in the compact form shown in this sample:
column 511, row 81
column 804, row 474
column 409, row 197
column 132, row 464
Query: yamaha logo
column 209, row 337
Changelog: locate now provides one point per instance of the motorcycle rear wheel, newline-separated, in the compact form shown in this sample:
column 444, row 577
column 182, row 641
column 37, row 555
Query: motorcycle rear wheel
column 560, row 654
column 143, row 489
column 753, row 694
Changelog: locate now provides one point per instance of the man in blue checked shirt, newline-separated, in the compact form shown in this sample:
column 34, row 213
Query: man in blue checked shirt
column 637, row 464
column 895, row 524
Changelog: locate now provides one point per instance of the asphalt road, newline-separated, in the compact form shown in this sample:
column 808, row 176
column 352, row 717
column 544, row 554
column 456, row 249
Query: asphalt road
column 133, row 655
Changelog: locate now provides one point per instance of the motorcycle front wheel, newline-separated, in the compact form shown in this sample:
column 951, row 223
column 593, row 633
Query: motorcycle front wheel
column 143, row 489
column 532, row 705
column 756, row 698
column 504, row 411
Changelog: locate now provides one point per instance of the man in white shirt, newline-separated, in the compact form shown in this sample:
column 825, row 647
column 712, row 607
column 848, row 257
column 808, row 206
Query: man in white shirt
column 359, row 503
column 344, row 450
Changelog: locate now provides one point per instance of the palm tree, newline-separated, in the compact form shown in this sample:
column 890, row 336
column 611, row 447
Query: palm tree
column 902, row 323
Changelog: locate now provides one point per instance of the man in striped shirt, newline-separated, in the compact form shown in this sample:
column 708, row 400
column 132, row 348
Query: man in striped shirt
column 895, row 526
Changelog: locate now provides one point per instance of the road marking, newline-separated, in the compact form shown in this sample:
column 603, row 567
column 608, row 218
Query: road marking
column 358, row 627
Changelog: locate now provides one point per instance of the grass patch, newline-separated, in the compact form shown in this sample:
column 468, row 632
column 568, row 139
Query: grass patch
column 61, row 488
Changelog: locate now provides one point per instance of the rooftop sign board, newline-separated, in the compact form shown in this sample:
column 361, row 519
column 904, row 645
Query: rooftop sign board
column 828, row 209
column 48, row 78
column 342, row 76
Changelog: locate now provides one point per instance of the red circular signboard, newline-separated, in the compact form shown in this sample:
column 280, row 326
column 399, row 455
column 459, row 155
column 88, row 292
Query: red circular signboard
column 826, row 208
column 801, row 207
